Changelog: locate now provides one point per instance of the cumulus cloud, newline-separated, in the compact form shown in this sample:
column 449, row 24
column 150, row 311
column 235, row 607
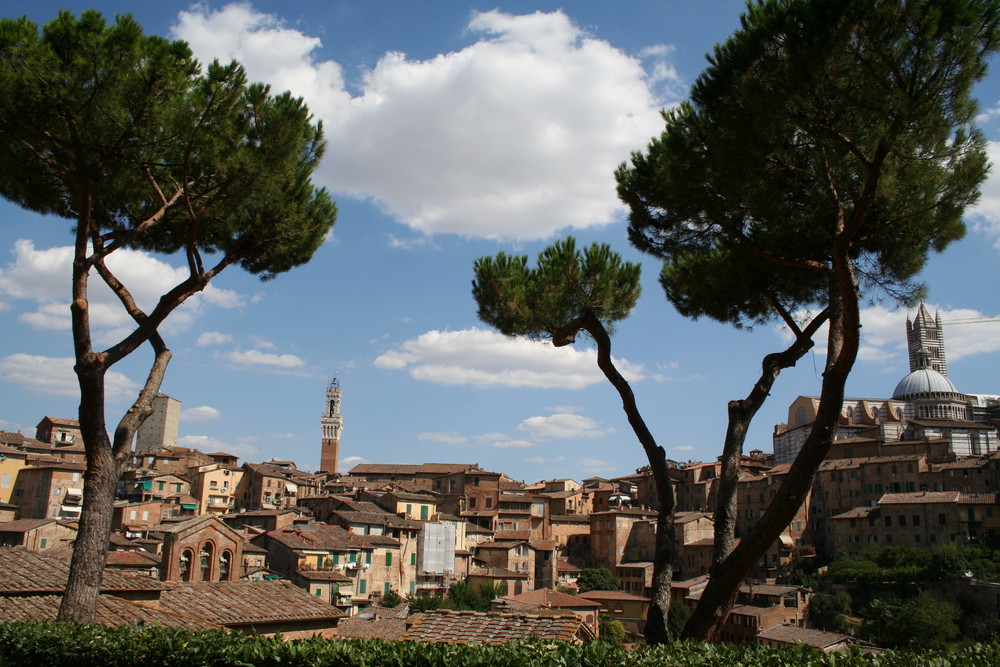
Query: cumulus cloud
column 985, row 215
column 563, row 425
column 351, row 461
column 42, row 276
column 204, row 413
column 487, row 359
column 515, row 136
column 883, row 334
column 258, row 359
column 214, row 338
column 55, row 377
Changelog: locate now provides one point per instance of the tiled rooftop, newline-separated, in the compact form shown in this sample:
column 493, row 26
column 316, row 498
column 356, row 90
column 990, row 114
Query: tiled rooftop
column 546, row 597
column 471, row 627
column 792, row 634
column 613, row 595
column 23, row 572
column 316, row 536
column 237, row 603
column 110, row 611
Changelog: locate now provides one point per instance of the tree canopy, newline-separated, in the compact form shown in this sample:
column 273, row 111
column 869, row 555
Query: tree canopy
column 540, row 302
column 597, row 579
column 825, row 151
column 129, row 138
column 567, row 292
column 818, row 125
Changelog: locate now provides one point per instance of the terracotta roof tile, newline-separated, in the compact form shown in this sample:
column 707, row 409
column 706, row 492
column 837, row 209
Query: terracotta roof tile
column 110, row 611
column 471, row 627
column 316, row 536
column 23, row 571
column 24, row 525
column 388, row 629
column 919, row 498
column 792, row 634
column 613, row 595
column 240, row 603
column 546, row 597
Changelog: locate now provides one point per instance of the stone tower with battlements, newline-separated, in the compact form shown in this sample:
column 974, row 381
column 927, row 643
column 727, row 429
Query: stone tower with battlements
column 331, row 425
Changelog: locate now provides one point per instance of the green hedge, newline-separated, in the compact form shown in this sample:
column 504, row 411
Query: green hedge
column 53, row 644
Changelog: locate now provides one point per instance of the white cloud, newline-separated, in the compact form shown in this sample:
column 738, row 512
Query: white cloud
column 256, row 358
column 42, row 276
column 515, row 136
column 684, row 448
column 985, row 215
column 563, row 425
column 449, row 438
column 487, row 359
column 535, row 459
column 596, row 466
column 210, row 445
column 204, row 413
column 55, row 377
column 514, row 443
column 214, row 338
column 883, row 334
column 351, row 461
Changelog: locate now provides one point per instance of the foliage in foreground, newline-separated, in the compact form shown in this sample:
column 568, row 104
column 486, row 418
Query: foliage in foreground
column 54, row 644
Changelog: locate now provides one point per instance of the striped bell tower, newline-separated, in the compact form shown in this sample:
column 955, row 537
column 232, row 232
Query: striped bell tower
column 331, row 425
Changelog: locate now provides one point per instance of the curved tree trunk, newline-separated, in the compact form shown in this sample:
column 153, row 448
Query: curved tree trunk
column 843, row 342
column 106, row 459
column 741, row 414
column 657, row 630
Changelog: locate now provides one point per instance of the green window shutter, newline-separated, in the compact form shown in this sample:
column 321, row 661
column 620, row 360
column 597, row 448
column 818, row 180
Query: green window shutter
column 409, row 510
column 413, row 559
column 423, row 512
column 413, row 587
column 388, row 558
column 44, row 541
column 387, row 588
column 336, row 558
column 353, row 558
column 368, row 557
column 362, row 586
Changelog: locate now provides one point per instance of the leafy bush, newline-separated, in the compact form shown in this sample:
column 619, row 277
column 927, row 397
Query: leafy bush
column 55, row 645
column 597, row 579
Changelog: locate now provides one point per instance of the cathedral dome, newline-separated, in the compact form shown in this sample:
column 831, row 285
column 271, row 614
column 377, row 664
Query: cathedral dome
column 924, row 381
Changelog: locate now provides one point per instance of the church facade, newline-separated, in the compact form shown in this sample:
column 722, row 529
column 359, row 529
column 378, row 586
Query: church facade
column 926, row 405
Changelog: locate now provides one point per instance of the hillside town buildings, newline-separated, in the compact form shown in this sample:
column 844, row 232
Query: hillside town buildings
column 919, row 469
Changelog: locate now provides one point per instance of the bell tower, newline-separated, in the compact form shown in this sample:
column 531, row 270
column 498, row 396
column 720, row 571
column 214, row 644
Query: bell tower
column 331, row 425
column 925, row 342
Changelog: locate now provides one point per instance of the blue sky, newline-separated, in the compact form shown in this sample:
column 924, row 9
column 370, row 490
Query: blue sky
column 455, row 130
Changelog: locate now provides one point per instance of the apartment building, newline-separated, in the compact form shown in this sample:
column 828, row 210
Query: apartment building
column 49, row 491
column 215, row 487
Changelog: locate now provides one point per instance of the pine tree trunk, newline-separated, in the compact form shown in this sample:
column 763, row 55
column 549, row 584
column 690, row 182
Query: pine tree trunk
column 657, row 629
column 843, row 342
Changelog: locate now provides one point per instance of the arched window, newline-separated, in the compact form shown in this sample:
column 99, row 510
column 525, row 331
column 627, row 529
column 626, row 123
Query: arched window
column 225, row 563
column 800, row 417
column 850, row 415
column 186, row 557
column 205, row 561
